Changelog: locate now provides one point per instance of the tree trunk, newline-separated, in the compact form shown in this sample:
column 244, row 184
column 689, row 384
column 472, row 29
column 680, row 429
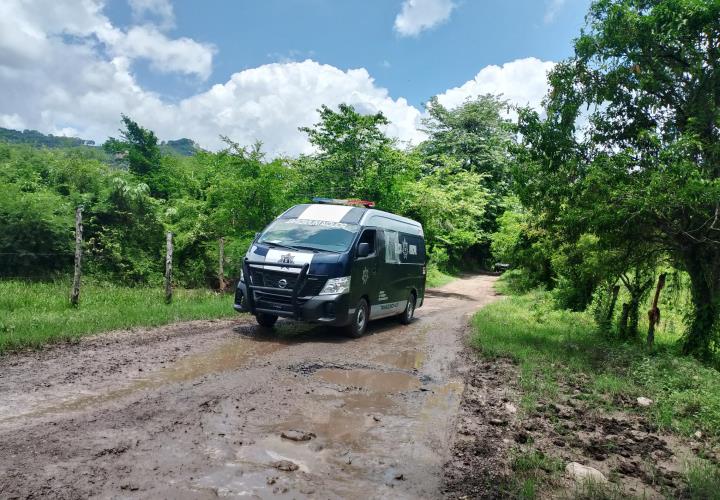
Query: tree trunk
column 611, row 307
column 654, row 312
column 633, row 317
column 623, row 326
column 606, row 316
column 705, row 298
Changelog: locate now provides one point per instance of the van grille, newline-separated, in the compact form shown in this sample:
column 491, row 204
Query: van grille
column 266, row 277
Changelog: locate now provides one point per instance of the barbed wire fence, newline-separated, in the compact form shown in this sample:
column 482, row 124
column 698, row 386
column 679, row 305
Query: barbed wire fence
column 82, row 258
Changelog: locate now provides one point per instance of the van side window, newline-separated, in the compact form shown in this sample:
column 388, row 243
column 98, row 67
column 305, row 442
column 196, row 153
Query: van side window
column 368, row 236
column 391, row 247
column 412, row 249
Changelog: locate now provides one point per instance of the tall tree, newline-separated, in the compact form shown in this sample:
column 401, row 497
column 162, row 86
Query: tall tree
column 479, row 138
column 647, row 164
column 138, row 148
column 352, row 153
column 476, row 133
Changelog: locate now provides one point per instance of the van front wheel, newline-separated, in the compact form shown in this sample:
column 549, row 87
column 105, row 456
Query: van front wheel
column 407, row 316
column 358, row 323
column 266, row 320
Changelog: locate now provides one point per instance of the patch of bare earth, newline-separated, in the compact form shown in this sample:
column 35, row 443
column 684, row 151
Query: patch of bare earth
column 225, row 408
column 637, row 458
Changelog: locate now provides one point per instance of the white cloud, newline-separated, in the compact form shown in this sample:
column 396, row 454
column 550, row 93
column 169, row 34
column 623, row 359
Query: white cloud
column 33, row 32
column 552, row 8
column 161, row 9
column 418, row 15
column 69, row 70
column 271, row 101
column 522, row 82
column 181, row 55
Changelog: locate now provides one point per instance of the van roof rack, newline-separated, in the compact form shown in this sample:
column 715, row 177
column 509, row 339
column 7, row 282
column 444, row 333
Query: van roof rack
column 352, row 202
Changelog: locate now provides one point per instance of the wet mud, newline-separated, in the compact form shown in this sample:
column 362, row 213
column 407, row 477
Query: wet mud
column 223, row 408
column 639, row 460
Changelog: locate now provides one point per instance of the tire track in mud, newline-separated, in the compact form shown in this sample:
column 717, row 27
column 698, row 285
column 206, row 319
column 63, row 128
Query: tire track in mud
column 200, row 408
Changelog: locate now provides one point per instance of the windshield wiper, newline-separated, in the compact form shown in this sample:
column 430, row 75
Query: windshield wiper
column 289, row 247
column 298, row 247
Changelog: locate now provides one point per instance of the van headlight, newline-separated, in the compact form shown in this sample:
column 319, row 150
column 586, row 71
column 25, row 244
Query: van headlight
column 242, row 276
column 335, row 286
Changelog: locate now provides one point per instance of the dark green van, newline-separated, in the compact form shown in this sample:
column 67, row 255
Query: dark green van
column 336, row 263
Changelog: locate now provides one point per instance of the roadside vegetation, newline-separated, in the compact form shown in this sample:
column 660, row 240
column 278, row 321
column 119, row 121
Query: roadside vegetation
column 134, row 189
column 38, row 313
column 555, row 349
column 563, row 356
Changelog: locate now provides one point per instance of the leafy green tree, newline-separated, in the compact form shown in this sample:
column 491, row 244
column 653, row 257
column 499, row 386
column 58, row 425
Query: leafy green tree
column 646, row 167
column 34, row 232
column 450, row 203
column 479, row 139
column 476, row 134
column 139, row 149
column 354, row 156
column 524, row 243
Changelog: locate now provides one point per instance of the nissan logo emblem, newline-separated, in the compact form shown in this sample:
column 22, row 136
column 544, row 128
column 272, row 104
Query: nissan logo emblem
column 282, row 283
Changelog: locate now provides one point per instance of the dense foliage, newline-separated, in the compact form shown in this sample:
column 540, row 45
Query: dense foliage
column 612, row 188
column 133, row 190
column 621, row 174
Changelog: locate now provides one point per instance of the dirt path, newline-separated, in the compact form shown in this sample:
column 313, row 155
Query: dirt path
column 198, row 409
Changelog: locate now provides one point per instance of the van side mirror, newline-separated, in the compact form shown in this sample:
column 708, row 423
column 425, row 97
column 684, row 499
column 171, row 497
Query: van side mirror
column 363, row 250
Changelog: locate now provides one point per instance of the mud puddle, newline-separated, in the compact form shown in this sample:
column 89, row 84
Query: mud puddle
column 404, row 360
column 372, row 380
column 232, row 355
column 198, row 411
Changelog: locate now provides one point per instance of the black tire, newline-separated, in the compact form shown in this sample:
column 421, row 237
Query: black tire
column 266, row 320
column 407, row 315
column 359, row 321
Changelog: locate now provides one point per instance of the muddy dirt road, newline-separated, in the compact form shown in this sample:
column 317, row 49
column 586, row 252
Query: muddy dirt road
column 220, row 408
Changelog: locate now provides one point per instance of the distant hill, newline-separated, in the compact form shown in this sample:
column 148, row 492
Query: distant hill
column 36, row 138
column 178, row 147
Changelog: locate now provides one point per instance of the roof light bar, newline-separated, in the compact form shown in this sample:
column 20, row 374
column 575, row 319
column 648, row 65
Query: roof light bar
column 353, row 202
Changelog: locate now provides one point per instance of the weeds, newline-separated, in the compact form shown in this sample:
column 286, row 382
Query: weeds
column 32, row 314
column 702, row 480
column 532, row 471
column 557, row 348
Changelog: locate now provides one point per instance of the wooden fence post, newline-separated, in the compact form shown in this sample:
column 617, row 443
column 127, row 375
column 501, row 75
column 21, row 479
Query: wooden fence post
column 221, row 264
column 168, row 268
column 75, row 293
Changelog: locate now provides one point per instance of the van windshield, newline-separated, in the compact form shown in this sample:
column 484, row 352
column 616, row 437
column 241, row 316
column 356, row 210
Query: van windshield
column 310, row 234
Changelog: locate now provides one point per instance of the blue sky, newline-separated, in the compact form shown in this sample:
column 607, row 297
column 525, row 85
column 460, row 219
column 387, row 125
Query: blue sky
column 258, row 69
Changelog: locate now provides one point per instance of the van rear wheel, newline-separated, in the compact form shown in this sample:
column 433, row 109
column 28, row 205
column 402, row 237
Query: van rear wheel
column 266, row 320
column 407, row 316
column 358, row 323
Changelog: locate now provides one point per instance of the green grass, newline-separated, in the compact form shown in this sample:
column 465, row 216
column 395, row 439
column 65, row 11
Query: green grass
column 32, row 314
column 437, row 278
column 702, row 480
column 532, row 470
column 554, row 348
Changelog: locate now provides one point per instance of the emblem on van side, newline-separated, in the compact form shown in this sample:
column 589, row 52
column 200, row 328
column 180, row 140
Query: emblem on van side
column 405, row 249
column 365, row 276
column 287, row 258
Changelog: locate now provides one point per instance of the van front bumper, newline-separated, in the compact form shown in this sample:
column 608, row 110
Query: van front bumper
column 331, row 310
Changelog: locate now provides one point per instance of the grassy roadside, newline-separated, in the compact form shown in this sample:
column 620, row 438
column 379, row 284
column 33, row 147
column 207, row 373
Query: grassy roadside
column 558, row 352
column 437, row 278
column 32, row 314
